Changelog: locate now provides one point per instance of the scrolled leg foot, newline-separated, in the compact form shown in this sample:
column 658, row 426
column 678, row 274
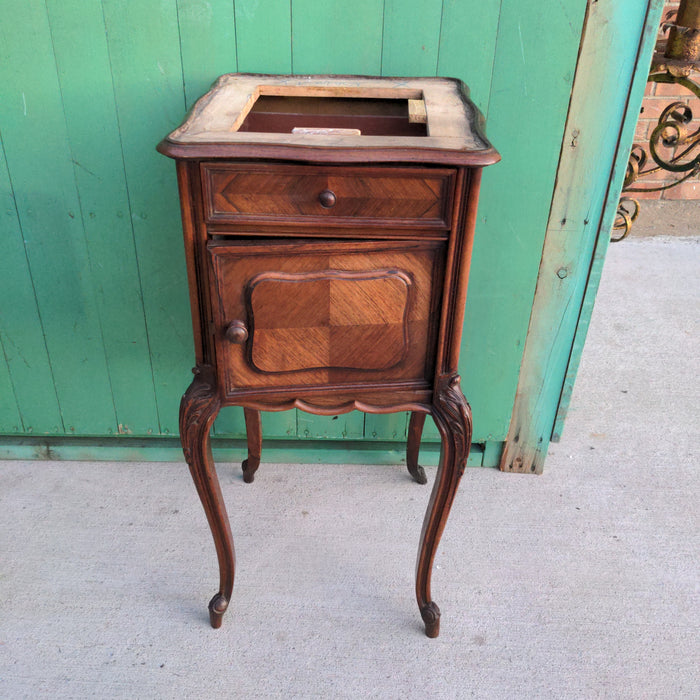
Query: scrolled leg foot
column 217, row 607
column 418, row 473
column 249, row 467
column 431, row 617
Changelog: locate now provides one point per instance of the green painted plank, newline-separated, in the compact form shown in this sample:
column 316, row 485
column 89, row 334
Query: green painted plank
column 536, row 53
column 225, row 451
column 430, row 431
column 77, row 31
column 411, row 37
column 27, row 394
column 468, row 45
column 207, row 43
column 337, row 37
column 143, row 43
column 343, row 426
column 263, row 36
column 39, row 161
column 10, row 420
column 230, row 423
column 275, row 424
column 492, row 453
column 388, row 426
column 608, row 61
column 646, row 49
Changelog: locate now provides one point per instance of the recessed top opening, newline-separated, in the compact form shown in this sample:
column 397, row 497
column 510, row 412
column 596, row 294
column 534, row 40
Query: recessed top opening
column 336, row 114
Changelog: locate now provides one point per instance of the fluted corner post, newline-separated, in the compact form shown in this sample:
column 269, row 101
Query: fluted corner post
column 198, row 409
column 453, row 418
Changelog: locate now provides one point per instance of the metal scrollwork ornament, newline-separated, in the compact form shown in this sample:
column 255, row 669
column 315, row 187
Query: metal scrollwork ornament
column 673, row 144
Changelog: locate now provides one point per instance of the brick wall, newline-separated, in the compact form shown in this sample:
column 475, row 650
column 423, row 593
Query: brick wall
column 657, row 97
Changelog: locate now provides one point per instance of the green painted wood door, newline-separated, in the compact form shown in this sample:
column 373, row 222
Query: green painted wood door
column 94, row 327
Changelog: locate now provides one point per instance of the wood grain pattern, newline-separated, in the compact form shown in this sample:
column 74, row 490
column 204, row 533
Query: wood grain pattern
column 410, row 351
column 328, row 320
column 286, row 193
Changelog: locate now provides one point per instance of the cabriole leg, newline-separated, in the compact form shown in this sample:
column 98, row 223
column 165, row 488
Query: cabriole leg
column 454, row 421
column 253, row 431
column 415, row 430
column 198, row 409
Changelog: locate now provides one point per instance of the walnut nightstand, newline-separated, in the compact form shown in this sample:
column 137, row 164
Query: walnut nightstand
column 328, row 225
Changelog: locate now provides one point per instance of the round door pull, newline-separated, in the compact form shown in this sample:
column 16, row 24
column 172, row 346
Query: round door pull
column 327, row 199
column 237, row 332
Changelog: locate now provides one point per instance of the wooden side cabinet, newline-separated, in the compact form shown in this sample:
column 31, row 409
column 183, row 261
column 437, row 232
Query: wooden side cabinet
column 328, row 226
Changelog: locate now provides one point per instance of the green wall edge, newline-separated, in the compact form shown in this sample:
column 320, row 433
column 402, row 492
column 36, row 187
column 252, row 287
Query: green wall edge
column 295, row 451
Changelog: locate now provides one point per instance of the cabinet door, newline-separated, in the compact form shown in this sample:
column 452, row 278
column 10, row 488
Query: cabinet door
column 325, row 312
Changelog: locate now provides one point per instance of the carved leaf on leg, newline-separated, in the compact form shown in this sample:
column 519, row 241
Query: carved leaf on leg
column 198, row 409
column 452, row 415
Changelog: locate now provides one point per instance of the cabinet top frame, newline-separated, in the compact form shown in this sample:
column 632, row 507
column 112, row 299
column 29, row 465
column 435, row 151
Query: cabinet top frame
column 454, row 132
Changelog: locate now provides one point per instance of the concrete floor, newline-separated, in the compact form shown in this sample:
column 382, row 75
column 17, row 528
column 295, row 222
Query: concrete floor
column 580, row 583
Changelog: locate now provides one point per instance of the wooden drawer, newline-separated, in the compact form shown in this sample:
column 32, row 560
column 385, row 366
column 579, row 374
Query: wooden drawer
column 284, row 194
column 309, row 313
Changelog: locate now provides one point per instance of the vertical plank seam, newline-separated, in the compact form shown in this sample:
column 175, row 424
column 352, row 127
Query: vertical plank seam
column 437, row 57
column 291, row 37
column 12, row 384
column 179, row 43
column 381, row 49
column 235, row 32
column 82, row 215
column 493, row 60
column 131, row 217
column 2, row 344
column 38, row 310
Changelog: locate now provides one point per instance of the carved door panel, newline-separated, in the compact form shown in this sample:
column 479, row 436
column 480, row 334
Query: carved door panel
column 306, row 313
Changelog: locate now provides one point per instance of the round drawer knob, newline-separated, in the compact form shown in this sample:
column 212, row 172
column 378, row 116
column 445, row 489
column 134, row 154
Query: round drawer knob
column 237, row 332
column 327, row 199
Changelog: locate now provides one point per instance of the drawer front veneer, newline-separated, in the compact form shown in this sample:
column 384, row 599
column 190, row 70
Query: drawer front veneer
column 378, row 196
